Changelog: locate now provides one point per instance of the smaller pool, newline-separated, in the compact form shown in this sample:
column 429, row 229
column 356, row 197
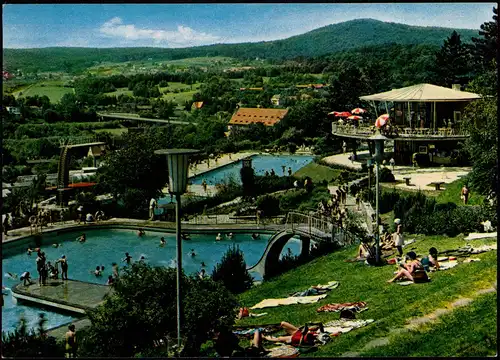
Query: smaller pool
column 260, row 164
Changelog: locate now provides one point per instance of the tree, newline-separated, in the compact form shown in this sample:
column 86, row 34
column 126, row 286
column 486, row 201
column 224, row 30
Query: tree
column 481, row 122
column 453, row 62
column 247, row 180
column 134, row 174
column 142, row 311
column 485, row 49
column 232, row 271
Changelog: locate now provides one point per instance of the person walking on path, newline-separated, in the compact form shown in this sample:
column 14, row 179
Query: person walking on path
column 464, row 194
column 344, row 147
column 71, row 344
column 398, row 236
column 5, row 224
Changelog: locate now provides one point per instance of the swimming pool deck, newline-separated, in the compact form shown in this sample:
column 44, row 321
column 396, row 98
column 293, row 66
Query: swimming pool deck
column 68, row 295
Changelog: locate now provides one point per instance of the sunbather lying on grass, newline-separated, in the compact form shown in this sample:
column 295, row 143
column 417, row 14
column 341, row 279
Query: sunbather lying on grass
column 412, row 270
column 227, row 344
column 296, row 336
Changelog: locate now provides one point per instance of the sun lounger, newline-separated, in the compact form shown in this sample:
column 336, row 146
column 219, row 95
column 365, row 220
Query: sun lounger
column 288, row 301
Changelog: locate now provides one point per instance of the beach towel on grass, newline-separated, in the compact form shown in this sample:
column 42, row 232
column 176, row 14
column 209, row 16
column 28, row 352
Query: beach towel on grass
column 343, row 326
column 447, row 265
column 288, row 301
column 353, row 306
column 318, row 289
column 283, row 351
column 471, row 260
column 409, row 242
column 405, row 283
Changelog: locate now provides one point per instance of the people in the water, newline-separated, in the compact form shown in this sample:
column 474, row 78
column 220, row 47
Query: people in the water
column 55, row 245
column 185, row 236
column 82, row 238
column 141, row 232
column 98, row 271
column 142, row 259
column 127, row 258
column 230, row 235
column 218, row 237
column 163, row 242
column 255, row 236
column 203, row 264
column 110, row 281
column 193, row 254
column 30, row 250
column 202, row 274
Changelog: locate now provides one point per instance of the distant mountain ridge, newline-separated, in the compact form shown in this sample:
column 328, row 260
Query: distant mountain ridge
column 322, row 41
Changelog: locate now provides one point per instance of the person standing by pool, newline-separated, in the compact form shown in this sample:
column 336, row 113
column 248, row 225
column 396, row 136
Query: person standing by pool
column 115, row 269
column 204, row 185
column 40, row 264
column 110, row 281
column 283, row 167
column 127, row 258
column 273, row 173
column 71, row 342
column 5, row 224
column 64, row 267
column 289, row 171
column 464, row 194
column 398, row 236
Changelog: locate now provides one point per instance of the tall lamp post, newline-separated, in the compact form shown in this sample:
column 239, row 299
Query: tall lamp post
column 379, row 139
column 177, row 163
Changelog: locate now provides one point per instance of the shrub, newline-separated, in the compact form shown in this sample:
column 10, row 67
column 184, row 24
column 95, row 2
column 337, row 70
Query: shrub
column 386, row 175
column 28, row 344
column 232, row 271
column 269, row 204
column 290, row 200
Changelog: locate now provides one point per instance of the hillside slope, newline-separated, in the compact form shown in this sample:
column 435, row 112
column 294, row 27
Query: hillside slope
column 326, row 40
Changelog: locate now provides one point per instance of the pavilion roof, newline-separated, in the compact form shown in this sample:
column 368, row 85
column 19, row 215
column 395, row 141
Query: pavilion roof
column 423, row 93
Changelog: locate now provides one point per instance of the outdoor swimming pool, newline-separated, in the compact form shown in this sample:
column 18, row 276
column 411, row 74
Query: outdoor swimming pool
column 105, row 246
column 260, row 163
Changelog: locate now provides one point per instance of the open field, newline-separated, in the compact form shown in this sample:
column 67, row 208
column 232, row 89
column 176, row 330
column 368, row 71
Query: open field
column 120, row 91
column 54, row 92
column 390, row 305
column 116, row 132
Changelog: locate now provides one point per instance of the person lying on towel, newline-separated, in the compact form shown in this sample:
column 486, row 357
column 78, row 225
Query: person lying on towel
column 296, row 337
column 412, row 270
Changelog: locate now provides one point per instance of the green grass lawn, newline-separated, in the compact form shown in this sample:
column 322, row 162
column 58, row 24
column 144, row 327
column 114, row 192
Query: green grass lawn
column 390, row 305
column 54, row 92
column 317, row 172
column 452, row 194
column 477, row 338
column 180, row 98
column 120, row 91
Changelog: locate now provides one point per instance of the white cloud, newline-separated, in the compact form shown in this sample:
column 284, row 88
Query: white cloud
column 184, row 36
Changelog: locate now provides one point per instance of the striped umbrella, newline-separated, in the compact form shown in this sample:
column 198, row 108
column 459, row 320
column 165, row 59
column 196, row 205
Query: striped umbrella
column 381, row 120
column 344, row 114
column 355, row 117
column 335, row 113
column 358, row 111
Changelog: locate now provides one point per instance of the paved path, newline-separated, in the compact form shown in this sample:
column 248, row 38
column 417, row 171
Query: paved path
column 420, row 177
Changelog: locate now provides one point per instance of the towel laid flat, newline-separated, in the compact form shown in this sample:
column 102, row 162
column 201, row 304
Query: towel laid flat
column 405, row 283
column 344, row 326
column 447, row 265
column 288, row 301
column 331, row 285
column 411, row 241
column 474, row 236
column 283, row 351
column 318, row 289
column 471, row 260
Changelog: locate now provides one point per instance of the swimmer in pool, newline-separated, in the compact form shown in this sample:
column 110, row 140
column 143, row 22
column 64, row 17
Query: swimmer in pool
column 162, row 241
column 230, row 235
column 142, row 259
column 193, row 254
column 203, row 264
column 82, row 238
column 127, row 258
column 30, row 250
column 141, row 232
column 185, row 236
column 218, row 237
column 10, row 275
column 56, row 245
column 97, row 271
column 255, row 236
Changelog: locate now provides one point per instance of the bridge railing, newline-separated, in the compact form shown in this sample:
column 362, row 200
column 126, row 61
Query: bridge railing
column 311, row 224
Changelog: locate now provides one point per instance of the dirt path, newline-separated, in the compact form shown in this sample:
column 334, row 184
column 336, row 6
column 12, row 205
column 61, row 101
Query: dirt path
column 415, row 323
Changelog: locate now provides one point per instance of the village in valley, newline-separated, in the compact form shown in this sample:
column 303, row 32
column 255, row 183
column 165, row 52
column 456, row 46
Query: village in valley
column 171, row 193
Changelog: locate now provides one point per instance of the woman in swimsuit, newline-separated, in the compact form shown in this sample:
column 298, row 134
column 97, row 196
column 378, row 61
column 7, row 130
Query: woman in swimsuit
column 71, row 342
column 295, row 336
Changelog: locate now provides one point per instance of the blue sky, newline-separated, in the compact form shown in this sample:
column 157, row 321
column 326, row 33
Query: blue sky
column 169, row 25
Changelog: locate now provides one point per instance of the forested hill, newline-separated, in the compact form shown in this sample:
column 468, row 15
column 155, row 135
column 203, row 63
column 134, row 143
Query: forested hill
column 326, row 40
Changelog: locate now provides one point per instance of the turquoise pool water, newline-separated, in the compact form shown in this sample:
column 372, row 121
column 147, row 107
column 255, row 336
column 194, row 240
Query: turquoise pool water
column 105, row 246
column 260, row 164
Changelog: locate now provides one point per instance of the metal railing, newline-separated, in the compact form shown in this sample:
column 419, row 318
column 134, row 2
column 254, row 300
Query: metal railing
column 398, row 131
column 228, row 219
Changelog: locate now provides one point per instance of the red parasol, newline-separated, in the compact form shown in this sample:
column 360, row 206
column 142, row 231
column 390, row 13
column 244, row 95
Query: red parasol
column 344, row 114
column 355, row 117
column 381, row 120
column 336, row 113
column 358, row 111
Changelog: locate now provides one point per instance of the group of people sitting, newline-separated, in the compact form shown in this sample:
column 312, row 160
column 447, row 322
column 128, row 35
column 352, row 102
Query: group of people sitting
column 414, row 269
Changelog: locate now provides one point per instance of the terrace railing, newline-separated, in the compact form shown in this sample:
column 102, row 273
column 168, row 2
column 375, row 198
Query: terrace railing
column 398, row 132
